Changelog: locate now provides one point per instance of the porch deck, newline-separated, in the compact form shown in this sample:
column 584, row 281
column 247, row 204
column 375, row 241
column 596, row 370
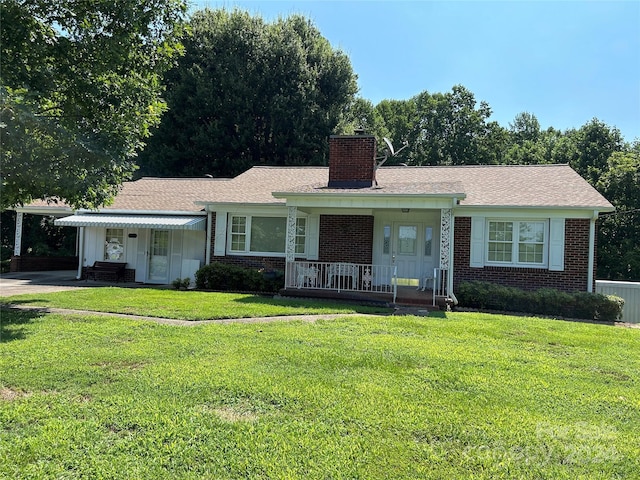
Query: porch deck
column 406, row 296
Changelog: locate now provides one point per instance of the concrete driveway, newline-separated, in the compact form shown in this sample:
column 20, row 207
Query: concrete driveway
column 41, row 282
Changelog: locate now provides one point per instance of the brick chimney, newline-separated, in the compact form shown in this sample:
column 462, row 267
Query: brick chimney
column 351, row 161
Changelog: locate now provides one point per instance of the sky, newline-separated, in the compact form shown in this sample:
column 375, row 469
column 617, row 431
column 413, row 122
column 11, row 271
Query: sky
column 566, row 62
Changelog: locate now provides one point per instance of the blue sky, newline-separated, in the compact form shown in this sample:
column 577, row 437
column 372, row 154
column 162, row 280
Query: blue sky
column 565, row 62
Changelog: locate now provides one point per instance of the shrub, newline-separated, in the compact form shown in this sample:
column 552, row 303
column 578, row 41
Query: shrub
column 545, row 301
column 181, row 283
column 225, row 277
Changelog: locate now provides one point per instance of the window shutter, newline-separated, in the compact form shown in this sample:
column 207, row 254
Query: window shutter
column 476, row 257
column 556, row 244
column 220, row 240
column 313, row 226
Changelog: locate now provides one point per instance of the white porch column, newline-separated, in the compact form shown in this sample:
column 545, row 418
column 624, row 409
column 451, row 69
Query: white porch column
column 290, row 248
column 17, row 244
column 446, row 245
column 207, row 250
column 80, row 252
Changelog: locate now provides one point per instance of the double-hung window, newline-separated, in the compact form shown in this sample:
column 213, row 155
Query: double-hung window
column 264, row 235
column 519, row 243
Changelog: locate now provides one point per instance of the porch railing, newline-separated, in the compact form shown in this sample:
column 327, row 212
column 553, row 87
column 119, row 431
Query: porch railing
column 342, row 276
column 439, row 284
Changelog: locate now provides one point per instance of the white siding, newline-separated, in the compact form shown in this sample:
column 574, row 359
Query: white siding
column 630, row 291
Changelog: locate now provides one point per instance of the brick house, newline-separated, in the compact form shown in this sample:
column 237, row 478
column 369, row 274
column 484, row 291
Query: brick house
column 357, row 228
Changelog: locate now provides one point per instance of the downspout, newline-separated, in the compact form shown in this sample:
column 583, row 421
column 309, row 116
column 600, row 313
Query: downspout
column 592, row 251
column 81, row 252
column 207, row 250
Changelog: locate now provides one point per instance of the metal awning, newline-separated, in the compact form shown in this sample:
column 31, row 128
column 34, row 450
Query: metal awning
column 134, row 221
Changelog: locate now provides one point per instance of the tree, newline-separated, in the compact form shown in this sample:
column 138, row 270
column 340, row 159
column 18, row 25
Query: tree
column 618, row 232
column 249, row 93
column 595, row 143
column 80, row 89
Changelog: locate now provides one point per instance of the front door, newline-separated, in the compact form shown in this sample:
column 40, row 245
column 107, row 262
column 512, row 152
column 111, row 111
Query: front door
column 413, row 252
column 406, row 253
column 159, row 257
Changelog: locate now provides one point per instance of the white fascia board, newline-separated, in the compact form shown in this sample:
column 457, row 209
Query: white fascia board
column 528, row 212
column 372, row 201
column 44, row 210
column 109, row 211
column 228, row 206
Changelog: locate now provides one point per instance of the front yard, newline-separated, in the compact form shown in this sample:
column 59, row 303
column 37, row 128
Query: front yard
column 454, row 395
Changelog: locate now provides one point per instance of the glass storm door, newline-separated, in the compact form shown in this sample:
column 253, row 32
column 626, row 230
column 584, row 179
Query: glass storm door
column 407, row 253
column 159, row 256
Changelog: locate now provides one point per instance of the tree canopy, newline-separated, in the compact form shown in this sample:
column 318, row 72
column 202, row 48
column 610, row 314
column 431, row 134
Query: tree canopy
column 79, row 92
column 248, row 92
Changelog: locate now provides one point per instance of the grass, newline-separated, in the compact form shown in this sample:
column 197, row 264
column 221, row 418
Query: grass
column 190, row 305
column 453, row 395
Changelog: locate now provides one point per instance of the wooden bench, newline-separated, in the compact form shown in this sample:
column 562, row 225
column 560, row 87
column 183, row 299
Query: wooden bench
column 117, row 269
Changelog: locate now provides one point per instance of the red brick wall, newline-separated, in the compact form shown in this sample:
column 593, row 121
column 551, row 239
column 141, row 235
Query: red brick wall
column 346, row 238
column 351, row 161
column 573, row 278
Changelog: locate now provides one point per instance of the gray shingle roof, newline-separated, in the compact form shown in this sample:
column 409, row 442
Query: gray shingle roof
column 483, row 185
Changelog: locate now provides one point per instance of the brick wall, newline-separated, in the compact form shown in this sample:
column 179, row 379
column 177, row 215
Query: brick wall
column 129, row 275
column 346, row 238
column 573, row 278
column 29, row 263
column 351, row 161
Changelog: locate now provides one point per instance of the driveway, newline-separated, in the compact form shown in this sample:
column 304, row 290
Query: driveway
column 41, row 282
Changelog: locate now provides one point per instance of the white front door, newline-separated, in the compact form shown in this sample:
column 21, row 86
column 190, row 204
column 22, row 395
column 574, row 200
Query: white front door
column 159, row 257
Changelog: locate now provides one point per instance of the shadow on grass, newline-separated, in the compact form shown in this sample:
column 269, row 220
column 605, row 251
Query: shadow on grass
column 12, row 321
column 306, row 303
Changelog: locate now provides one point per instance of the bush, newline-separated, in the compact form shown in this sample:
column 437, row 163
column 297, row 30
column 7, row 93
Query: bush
column 224, row 277
column 545, row 301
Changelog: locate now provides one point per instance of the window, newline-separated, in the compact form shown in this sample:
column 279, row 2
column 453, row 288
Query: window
column 517, row 242
column 114, row 244
column 428, row 241
column 301, row 232
column 264, row 235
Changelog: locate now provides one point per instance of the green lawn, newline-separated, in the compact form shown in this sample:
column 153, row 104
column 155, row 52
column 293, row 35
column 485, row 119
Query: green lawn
column 447, row 396
column 190, row 305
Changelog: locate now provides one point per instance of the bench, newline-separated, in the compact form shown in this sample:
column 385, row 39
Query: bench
column 116, row 269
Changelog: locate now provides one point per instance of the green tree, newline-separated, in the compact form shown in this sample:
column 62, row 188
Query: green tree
column 79, row 91
column 618, row 232
column 248, row 93
column 595, row 142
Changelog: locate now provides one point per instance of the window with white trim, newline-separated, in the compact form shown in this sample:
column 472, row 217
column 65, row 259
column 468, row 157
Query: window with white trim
column 114, row 244
column 519, row 243
column 264, row 235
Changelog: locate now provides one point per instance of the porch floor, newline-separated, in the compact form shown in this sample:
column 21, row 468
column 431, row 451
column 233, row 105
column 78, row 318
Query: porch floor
column 405, row 296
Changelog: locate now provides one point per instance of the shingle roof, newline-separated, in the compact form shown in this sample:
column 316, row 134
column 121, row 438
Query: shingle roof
column 158, row 194
column 483, row 185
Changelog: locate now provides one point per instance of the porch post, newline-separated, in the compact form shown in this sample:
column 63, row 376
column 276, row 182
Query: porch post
column 446, row 239
column 81, row 252
column 17, row 244
column 290, row 245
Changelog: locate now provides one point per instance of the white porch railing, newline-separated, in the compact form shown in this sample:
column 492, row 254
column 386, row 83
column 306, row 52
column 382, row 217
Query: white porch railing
column 439, row 284
column 342, row 276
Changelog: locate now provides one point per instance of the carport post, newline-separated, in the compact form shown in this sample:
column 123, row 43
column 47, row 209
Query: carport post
column 17, row 244
column 80, row 252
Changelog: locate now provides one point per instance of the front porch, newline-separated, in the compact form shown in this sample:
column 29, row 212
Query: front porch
column 364, row 283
